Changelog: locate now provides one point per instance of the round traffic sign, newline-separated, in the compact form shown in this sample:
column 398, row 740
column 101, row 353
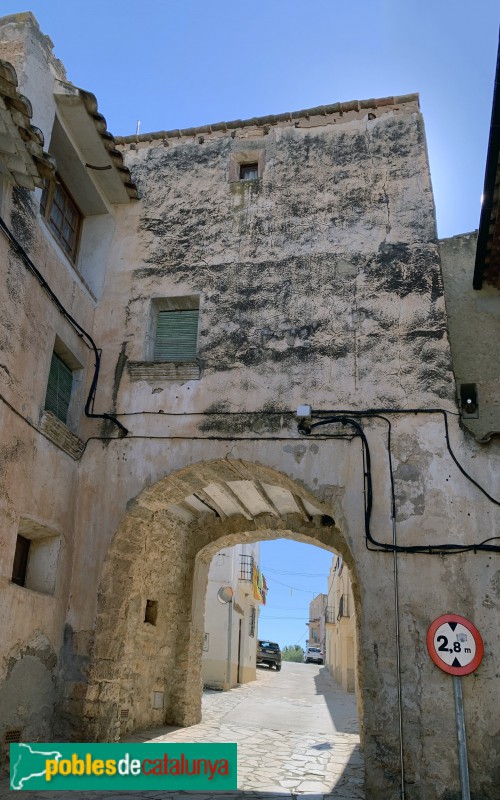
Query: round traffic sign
column 455, row 644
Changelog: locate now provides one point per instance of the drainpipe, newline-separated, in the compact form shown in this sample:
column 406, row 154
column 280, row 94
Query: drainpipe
column 398, row 657
column 229, row 642
column 226, row 595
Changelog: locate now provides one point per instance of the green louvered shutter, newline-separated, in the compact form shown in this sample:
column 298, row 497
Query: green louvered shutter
column 59, row 388
column 176, row 335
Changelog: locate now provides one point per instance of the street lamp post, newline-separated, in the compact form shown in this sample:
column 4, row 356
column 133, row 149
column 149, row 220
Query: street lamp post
column 225, row 596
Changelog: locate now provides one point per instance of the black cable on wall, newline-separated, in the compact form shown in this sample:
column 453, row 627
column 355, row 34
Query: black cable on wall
column 89, row 405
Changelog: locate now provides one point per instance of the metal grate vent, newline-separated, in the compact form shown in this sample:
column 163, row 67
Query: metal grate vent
column 124, row 712
column 246, row 568
column 12, row 737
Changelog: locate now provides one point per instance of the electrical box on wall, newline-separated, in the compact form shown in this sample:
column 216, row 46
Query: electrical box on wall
column 469, row 402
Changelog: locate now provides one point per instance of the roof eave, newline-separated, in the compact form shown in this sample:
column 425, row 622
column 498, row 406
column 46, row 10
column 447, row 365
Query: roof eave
column 97, row 145
column 22, row 157
column 272, row 119
column 489, row 220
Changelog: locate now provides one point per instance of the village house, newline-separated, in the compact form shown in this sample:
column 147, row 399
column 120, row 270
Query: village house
column 232, row 606
column 316, row 624
column 168, row 301
column 340, row 624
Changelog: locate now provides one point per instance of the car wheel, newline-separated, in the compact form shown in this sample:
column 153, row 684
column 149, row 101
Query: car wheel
column 278, row 667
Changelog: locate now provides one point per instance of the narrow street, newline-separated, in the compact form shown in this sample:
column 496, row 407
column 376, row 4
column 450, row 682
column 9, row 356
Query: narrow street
column 296, row 732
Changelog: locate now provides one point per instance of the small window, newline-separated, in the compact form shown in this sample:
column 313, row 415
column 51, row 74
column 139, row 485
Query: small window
column 249, row 172
column 151, row 612
column 36, row 557
column 63, row 217
column 20, row 560
column 176, row 335
column 59, row 388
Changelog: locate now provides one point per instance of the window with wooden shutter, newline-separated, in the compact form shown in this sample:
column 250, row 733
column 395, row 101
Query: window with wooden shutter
column 176, row 335
column 59, row 388
column 62, row 215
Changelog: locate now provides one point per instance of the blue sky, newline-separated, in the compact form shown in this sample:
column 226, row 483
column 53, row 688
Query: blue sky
column 295, row 573
column 179, row 63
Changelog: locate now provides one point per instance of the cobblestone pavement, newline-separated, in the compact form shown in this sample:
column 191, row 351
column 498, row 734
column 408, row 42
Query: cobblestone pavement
column 289, row 758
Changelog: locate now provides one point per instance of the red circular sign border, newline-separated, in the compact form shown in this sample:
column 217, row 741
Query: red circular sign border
column 439, row 661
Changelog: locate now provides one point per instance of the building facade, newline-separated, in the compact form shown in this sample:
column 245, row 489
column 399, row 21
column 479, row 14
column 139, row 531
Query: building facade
column 231, row 619
column 168, row 301
column 340, row 623
column 316, row 624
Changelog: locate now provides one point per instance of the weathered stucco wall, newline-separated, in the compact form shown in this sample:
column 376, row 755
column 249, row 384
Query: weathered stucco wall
column 38, row 478
column 325, row 267
column 474, row 326
column 320, row 282
column 232, row 568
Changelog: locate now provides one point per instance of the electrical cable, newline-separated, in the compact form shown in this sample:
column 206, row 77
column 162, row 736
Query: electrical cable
column 445, row 549
column 295, row 588
column 306, row 428
column 292, row 619
column 82, row 333
column 376, row 412
column 301, row 574
column 339, row 417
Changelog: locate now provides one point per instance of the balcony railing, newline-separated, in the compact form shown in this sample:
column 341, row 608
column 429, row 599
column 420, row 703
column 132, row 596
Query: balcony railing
column 246, row 568
column 334, row 615
column 330, row 617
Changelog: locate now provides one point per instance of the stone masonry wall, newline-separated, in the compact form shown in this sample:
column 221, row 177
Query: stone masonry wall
column 325, row 267
column 318, row 282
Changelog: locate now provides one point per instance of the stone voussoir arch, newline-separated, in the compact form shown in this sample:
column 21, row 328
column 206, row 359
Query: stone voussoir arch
column 160, row 554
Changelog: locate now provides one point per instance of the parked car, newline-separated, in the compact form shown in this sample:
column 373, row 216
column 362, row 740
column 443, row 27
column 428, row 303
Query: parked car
column 269, row 653
column 313, row 654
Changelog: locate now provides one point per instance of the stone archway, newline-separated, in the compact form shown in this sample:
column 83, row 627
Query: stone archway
column 161, row 554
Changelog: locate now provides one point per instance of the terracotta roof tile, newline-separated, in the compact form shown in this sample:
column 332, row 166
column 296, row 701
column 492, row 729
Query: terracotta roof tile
column 273, row 119
column 21, row 143
column 108, row 140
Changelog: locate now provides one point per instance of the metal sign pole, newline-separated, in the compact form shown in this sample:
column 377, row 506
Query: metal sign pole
column 462, row 742
column 229, row 642
column 456, row 646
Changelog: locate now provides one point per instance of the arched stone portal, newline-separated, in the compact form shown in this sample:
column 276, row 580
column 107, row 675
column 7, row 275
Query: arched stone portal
column 161, row 553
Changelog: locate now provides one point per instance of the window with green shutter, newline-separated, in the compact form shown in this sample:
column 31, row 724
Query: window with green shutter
column 176, row 335
column 59, row 388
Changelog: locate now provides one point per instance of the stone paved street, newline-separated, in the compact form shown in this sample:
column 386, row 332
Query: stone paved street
column 296, row 732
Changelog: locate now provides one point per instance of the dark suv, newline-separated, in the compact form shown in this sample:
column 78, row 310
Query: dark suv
column 269, row 653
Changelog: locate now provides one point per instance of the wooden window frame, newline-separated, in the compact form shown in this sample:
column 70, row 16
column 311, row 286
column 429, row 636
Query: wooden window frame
column 20, row 565
column 254, row 166
column 47, row 204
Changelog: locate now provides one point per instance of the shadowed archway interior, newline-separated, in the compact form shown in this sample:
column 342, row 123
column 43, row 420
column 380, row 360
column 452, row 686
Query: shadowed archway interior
column 150, row 621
